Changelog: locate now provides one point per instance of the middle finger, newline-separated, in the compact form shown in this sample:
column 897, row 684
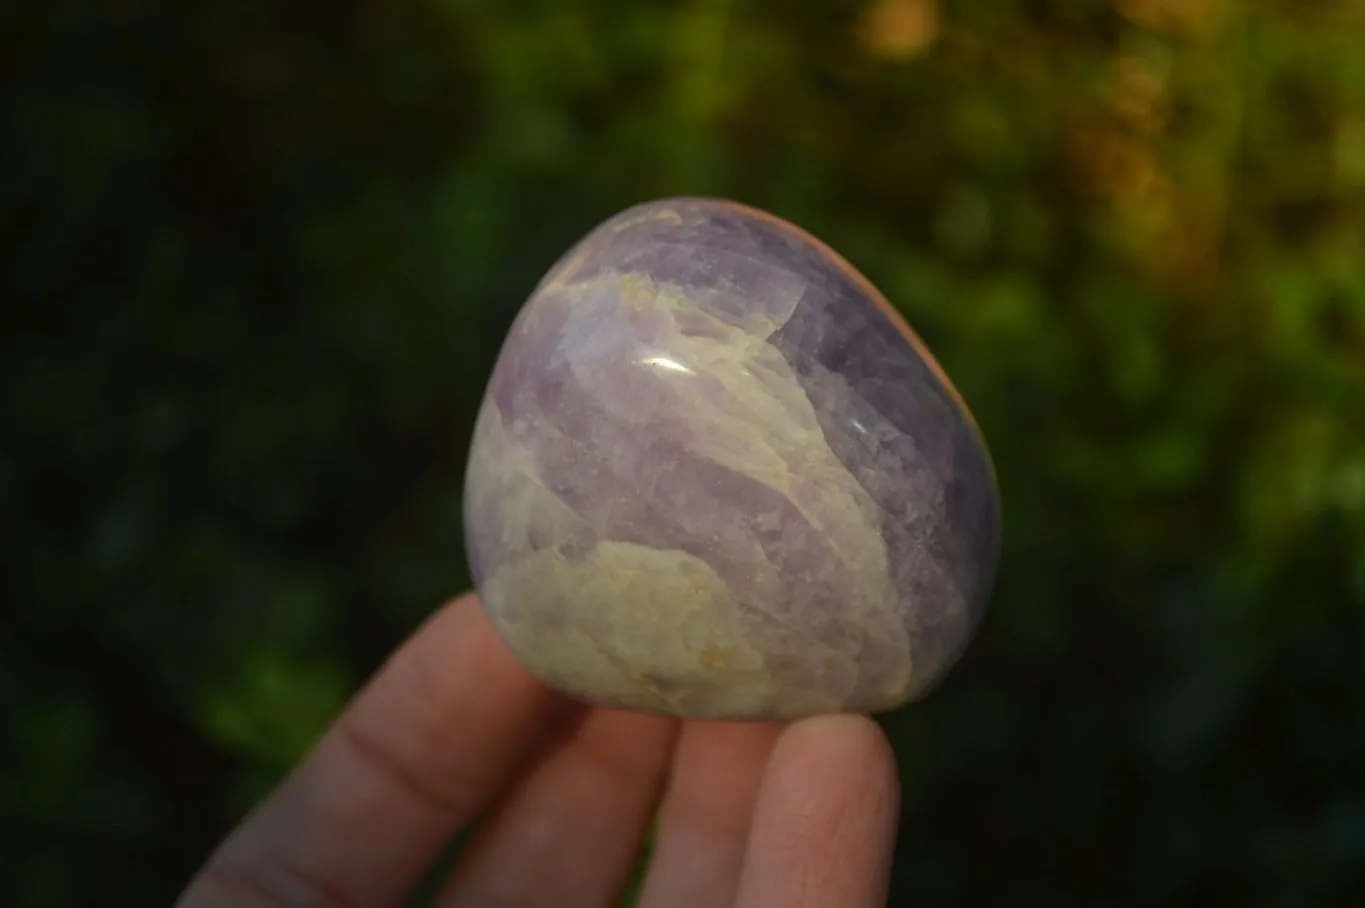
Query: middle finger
column 704, row 825
column 568, row 835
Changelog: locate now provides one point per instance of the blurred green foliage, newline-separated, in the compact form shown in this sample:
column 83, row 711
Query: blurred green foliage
column 258, row 257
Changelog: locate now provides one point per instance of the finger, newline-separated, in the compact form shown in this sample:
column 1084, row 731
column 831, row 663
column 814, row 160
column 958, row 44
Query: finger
column 430, row 741
column 569, row 834
column 825, row 821
column 704, row 824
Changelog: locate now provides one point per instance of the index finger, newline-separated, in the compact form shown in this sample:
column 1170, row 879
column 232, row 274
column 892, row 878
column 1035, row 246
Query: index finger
column 429, row 742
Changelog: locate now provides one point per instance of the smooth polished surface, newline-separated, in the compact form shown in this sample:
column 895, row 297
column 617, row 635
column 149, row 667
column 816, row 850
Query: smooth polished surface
column 716, row 475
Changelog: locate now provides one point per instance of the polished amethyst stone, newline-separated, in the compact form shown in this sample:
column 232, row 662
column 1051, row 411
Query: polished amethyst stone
column 716, row 475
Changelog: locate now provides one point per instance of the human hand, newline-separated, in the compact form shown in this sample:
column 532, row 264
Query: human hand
column 453, row 730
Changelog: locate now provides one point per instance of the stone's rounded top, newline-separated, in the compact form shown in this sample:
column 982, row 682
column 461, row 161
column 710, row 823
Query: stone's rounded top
column 716, row 474
column 640, row 236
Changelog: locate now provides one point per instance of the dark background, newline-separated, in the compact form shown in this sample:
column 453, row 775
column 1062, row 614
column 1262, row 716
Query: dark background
column 258, row 257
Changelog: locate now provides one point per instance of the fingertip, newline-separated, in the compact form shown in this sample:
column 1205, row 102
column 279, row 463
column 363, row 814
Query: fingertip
column 838, row 740
column 839, row 759
column 825, row 822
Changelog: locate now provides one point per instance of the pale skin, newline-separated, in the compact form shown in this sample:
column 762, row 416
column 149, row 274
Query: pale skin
column 452, row 733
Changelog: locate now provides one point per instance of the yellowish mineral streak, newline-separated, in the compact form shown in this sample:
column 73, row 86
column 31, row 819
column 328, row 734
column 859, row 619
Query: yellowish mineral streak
column 651, row 630
column 505, row 494
column 644, row 216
